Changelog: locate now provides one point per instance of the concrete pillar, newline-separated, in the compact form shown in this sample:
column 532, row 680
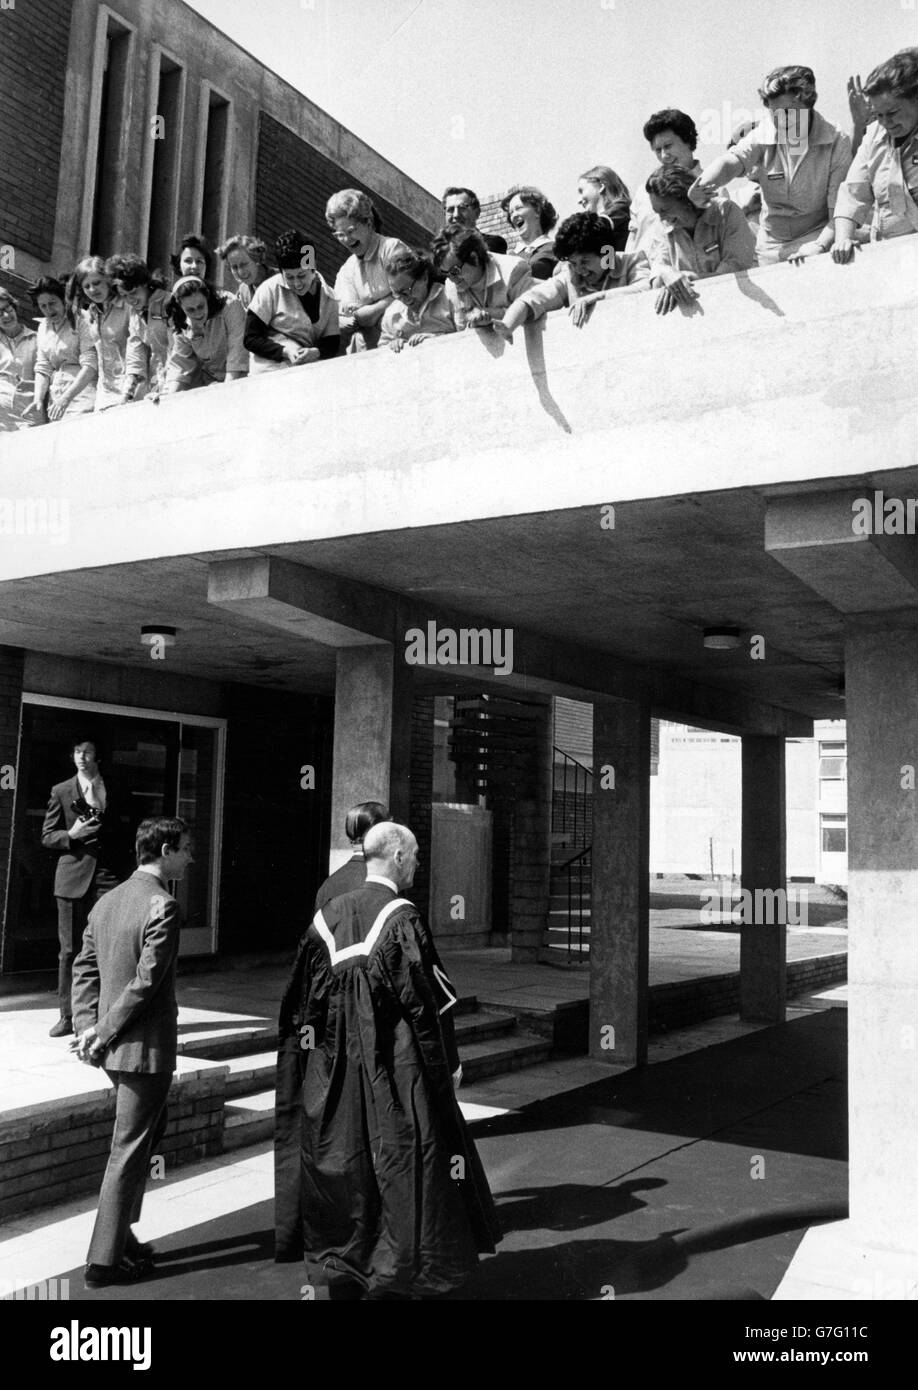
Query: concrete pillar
column 874, row 1254
column 620, row 924
column 372, row 740
column 530, row 845
column 882, row 713
column 763, row 944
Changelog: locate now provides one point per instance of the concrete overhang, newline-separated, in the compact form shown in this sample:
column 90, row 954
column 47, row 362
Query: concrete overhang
column 473, row 478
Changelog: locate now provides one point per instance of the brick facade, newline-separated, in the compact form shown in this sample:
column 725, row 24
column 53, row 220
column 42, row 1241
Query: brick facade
column 293, row 186
column 52, row 1152
column 33, row 67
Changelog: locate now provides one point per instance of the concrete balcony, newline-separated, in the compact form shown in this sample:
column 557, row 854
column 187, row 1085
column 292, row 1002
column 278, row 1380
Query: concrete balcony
column 467, row 479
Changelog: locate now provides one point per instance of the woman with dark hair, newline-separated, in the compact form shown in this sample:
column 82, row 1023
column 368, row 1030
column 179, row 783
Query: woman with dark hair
column 600, row 190
column 293, row 316
column 194, row 257
column 66, row 363
column 291, row 1052
column 145, row 294
column 882, row 182
column 590, row 269
column 207, row 337
column 247, row 258
column 361, row 285
column 90, row 292
column 18, row 345
column 532, row 217
column 420, row 308
column 480, row 283
column 692, row 244
column 798, row 160
column 673, row 137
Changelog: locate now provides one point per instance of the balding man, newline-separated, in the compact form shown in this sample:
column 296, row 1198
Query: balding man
column 395, row 1203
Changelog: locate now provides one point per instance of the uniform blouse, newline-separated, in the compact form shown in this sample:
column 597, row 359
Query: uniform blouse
column 506, row 278
column 109, row 327
column 62, row 354
column 560, row 292
column 148, row 342
column 435, row 316
column 541, row 257
column 721, row 244
column 883, row 182
column 795, row 209
column 284, row 315
column 17, row 375
column 202, row 358
column 363, row 280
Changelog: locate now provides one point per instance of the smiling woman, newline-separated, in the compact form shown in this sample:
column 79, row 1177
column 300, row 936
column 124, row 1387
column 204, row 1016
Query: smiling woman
column 361, row 287
column 293, row 316
column 532, row 217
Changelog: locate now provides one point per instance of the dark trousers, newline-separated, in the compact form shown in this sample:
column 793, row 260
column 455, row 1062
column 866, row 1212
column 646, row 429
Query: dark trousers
column 72, row 916
column 140, row 1122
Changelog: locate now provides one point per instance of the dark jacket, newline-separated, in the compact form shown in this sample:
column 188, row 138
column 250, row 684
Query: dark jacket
column 80, row 860
column 124, row 976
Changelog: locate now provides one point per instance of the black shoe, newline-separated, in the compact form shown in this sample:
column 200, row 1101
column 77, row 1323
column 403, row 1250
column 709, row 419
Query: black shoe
column 62, row 1027
column 128, row 1272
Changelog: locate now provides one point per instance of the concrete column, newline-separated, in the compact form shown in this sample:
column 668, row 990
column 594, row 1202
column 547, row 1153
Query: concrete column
column 763, row 944
column 372, row 740
column 530, row 846
column 882, row 713
column 620, row 926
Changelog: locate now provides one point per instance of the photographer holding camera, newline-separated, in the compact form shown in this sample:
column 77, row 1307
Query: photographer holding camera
column 83, row 828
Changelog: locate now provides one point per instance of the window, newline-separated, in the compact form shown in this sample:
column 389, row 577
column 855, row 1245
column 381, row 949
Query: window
column 833, row 764
column 113, row 93
column 165, row 137
column 214, row 154
column 834, row 833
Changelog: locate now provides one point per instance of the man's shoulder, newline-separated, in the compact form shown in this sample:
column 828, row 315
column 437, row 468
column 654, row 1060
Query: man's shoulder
column 60, row 789
column 141, row 888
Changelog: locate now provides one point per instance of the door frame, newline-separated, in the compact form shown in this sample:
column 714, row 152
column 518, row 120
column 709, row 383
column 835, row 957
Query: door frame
column 206, row 721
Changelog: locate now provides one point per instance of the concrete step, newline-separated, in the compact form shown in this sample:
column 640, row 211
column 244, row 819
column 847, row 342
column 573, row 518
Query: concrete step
column 235, row 1040
column 248, row 1120
column 478, row 1027
column 499, row 1055
column 250, row 1073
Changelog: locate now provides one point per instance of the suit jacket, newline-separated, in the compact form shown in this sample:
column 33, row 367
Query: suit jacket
column 124, row 976
column 80, row 859
column 351, row 875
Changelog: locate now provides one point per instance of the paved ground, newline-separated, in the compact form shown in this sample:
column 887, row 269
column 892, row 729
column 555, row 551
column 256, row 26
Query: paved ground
column 693, row 1178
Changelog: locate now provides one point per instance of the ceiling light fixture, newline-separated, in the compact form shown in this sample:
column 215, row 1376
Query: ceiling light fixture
column 722, row 639
column 157, row 635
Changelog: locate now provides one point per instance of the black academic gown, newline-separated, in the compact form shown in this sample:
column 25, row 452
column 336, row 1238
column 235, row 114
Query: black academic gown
column 291, row 1068
column 393, row 1194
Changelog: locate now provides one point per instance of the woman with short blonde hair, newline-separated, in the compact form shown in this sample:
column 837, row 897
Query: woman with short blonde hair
column 361, row 286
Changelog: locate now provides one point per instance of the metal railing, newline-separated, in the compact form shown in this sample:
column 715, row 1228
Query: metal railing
column 572, row 831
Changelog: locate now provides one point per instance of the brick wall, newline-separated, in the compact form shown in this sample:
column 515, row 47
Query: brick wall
column 54, row 1151
column 276, row 834
column 33, row 69
column 294, row 183
column 11, row 661
column 689, row 1001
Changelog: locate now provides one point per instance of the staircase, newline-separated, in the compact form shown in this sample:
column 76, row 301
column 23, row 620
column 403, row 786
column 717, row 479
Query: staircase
column 490, row 1044
column 570, row 907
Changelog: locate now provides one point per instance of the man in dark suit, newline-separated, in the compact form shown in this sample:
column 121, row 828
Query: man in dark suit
column 125, row 1015
column 83, row 828
column 461, row 208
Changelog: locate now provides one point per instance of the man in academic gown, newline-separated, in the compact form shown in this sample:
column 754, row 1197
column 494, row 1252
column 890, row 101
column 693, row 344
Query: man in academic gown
column 394, row 1200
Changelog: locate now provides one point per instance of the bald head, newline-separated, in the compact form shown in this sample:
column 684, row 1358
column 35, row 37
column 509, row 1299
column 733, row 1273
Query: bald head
column 391, row 851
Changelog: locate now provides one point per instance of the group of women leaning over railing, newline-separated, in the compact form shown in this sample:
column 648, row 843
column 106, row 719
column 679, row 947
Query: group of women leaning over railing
column 114, row 333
